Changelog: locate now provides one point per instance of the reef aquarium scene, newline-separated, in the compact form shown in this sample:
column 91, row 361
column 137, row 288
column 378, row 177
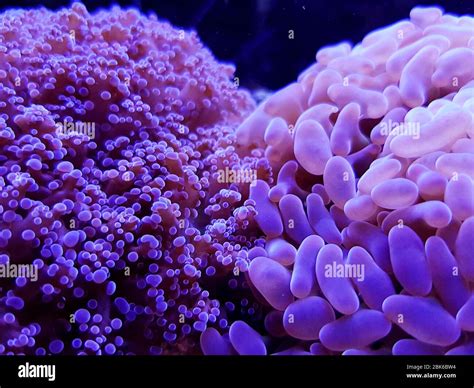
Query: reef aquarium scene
column 249, row 178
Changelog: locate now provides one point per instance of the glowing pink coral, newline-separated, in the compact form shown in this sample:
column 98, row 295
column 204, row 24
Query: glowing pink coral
column 379, row 137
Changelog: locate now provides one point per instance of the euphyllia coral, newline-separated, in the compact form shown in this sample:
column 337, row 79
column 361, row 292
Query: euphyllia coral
column 148, row 207
column 114, row 130
column 369, row 224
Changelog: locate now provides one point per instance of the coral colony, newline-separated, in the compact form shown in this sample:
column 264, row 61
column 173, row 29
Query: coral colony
column 153, row 209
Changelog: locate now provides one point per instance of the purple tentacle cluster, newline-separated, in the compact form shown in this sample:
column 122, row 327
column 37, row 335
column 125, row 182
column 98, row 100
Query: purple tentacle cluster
column 117, row 233
column 369, row 226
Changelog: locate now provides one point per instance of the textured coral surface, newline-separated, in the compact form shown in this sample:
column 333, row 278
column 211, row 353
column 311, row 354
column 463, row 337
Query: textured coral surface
column 130, row 230
column 165, row 214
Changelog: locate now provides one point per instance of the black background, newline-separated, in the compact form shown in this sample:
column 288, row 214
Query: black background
column 253, row 34
column 325, row 371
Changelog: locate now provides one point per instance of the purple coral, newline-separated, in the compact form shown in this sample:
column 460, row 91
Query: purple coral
column 128, row 182
column 113, row 130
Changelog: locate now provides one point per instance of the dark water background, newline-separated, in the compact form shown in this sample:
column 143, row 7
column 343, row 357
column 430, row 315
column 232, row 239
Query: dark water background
column 253, row 34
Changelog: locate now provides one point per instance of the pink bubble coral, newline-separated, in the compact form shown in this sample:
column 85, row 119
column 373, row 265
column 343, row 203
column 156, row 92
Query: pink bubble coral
column 373, row 149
